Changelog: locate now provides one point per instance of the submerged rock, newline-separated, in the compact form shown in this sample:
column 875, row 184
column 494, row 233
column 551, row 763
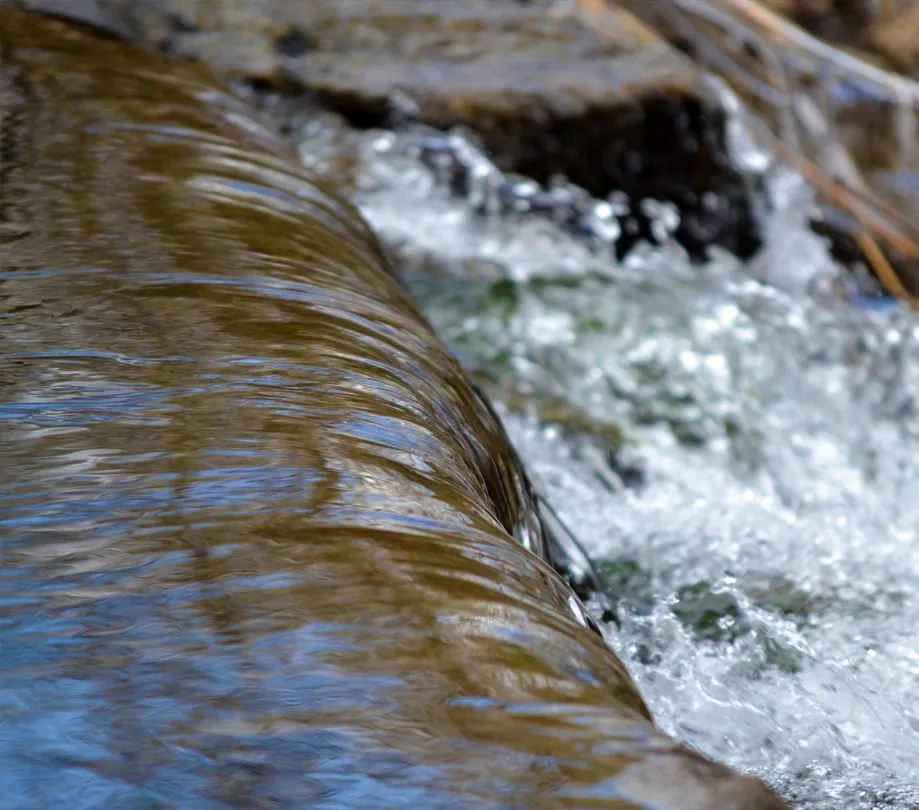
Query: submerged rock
column 273, row 541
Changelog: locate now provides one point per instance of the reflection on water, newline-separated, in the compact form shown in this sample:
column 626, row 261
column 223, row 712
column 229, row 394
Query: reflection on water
column 255, row 527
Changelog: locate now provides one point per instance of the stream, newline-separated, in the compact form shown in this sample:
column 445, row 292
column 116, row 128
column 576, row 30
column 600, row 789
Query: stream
column 759, row 522
column 245, row 553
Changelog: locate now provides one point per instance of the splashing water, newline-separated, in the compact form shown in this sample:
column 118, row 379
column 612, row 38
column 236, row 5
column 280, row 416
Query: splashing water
column 764, row 548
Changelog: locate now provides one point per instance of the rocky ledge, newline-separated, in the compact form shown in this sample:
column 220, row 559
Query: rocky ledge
column 546, row 93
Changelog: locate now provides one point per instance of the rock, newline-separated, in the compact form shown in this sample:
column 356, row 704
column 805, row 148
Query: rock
column 884, row 30
column 896, row 36
column 546, row 93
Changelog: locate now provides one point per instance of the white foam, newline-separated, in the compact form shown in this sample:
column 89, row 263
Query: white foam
column 797, row 474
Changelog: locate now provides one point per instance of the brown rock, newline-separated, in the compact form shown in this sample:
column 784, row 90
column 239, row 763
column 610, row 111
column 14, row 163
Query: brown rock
column 546, row 94
column 896, row 36
column 887, row 30
column 615, row 109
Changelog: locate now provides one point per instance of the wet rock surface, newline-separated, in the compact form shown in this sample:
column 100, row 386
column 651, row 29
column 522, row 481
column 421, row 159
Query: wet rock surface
column 889, row 28
column 545, row 94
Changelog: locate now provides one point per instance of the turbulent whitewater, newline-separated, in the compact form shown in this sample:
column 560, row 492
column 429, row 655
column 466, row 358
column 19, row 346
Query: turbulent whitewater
column 758, row 524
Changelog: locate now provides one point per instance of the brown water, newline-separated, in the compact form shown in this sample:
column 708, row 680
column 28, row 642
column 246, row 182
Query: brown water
column 256, row 530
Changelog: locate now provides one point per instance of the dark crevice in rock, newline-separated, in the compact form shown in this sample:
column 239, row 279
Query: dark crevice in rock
column 666, row 147
column 293, row 43
column 359, row 112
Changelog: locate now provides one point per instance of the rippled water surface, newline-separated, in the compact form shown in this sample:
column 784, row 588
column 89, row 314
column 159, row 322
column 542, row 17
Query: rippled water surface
column 255, row 530
column 760, row 524
column 261, row 543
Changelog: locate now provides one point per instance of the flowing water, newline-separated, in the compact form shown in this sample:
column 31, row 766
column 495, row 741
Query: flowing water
column 759, row 521
column 222, row 587
column 261, row 543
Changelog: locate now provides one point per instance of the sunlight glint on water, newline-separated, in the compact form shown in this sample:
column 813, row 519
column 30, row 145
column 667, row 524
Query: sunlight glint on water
column 769, row 565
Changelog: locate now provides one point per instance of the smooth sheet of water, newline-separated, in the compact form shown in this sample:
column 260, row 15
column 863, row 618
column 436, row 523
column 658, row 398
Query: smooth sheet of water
column 768, row 562
column 257, row 531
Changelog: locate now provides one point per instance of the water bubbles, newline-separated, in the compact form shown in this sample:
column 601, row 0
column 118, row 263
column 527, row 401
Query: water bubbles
column 461, row 168
column 737, row 450
column 665, row 218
